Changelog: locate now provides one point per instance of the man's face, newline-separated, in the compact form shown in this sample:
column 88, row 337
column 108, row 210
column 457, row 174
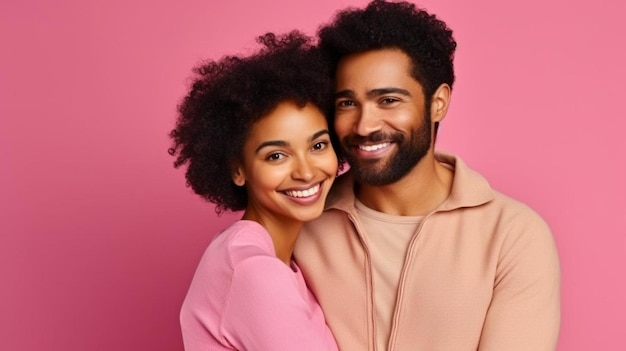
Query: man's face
column 380, row 117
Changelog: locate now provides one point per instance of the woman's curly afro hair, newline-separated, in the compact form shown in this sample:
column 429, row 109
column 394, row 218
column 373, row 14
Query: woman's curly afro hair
column 400, row 25
column 228, row 96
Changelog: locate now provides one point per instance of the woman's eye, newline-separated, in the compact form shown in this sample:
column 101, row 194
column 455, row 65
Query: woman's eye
column 275, row 156
column 320, row 145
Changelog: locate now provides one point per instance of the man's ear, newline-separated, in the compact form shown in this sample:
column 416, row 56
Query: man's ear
column 440, row 102
column 238, row 177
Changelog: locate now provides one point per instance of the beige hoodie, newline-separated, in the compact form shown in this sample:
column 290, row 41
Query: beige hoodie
column 481, row 273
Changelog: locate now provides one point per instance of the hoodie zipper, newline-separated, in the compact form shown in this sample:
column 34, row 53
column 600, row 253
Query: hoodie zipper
column 400, row 292
column 371, row 325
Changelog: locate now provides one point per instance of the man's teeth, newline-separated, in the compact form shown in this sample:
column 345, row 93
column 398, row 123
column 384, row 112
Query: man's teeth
column 303, row 193
column 373, row 147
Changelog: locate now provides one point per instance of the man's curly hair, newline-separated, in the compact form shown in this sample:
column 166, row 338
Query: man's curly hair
column 228, row 96
column 394, row 25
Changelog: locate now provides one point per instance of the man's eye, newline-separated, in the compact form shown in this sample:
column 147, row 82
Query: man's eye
column 345, row 103
column 389, row 100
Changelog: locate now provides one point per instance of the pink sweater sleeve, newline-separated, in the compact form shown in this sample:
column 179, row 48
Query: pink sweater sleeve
column 267, row 309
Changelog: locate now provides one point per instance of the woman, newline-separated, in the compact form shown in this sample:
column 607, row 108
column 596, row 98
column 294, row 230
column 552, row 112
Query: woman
column 254, row 135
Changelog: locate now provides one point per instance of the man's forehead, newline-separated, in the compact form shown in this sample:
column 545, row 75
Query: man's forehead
column 367, row 80
column 377, row 69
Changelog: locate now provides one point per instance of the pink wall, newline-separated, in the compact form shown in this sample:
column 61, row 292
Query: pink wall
column 99, row 237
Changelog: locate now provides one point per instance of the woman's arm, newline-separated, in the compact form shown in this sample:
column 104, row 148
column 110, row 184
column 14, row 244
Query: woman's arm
column 267, row 309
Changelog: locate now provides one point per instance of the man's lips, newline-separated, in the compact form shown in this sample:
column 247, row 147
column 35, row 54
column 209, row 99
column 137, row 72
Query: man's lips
column 371, row 151
column 373, row 147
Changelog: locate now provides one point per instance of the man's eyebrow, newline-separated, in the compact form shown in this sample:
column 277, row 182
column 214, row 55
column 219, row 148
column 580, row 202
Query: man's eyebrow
column 345, row 94
column 373, row 93
column 389, row 90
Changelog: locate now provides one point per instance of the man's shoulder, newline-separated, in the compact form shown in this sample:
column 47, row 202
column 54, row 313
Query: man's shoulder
column 516, row 211
column 330, row 219
column 472, row 193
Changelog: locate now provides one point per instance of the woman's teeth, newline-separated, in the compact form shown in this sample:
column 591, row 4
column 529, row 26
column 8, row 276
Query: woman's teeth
column 303, row 193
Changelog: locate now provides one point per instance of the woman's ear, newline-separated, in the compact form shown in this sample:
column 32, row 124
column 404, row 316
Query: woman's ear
column 238, row 177
column 440, row 102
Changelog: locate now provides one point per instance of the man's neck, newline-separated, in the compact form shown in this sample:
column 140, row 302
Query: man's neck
column 416, row 194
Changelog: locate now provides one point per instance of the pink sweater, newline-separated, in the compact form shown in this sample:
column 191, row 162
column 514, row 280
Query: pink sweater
column 243, row 297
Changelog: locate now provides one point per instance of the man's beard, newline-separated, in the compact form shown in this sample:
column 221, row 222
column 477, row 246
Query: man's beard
column 377, row 172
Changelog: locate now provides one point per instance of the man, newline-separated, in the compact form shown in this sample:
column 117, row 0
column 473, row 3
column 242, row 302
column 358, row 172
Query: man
column 416, row 251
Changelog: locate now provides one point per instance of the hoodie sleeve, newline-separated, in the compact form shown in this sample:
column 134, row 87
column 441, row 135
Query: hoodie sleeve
column 524, row 314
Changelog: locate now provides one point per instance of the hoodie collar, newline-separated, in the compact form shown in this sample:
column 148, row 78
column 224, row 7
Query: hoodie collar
column 469, row 189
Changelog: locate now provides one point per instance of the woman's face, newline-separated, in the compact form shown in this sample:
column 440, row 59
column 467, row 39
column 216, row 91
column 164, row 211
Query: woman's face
column 288, row 164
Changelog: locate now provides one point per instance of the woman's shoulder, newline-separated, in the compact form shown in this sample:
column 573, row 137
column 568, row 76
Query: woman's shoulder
column 242, row 240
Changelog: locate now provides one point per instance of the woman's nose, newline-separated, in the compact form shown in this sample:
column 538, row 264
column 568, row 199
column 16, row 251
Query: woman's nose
column 303, row 169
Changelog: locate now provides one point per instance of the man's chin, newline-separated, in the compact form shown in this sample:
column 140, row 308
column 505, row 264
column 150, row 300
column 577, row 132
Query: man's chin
column 367, row 162
column 370, row 174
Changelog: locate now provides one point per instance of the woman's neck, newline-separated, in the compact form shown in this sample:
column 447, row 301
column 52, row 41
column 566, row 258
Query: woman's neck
column 283, row 233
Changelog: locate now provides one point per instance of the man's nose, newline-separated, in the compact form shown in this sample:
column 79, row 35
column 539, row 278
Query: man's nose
column 368, row 122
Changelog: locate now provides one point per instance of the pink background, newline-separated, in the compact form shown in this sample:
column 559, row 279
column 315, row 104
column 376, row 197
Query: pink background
column 99, row 237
